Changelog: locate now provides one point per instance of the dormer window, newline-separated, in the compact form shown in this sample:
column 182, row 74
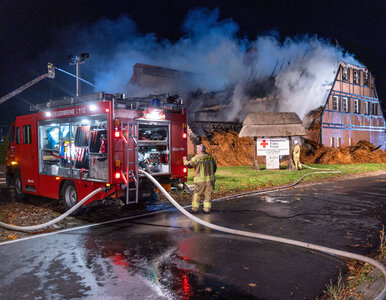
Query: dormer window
column 344, row 74
column 356, row 76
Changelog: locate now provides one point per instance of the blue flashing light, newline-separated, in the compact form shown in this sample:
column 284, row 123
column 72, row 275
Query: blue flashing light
column 156, row 102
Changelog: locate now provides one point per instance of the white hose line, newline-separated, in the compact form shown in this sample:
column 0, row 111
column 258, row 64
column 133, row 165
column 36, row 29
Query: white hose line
column 330, row 251
column 308, row 167
column 54, row 221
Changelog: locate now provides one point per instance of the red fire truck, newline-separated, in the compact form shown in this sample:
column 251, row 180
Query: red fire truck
column 72, row 146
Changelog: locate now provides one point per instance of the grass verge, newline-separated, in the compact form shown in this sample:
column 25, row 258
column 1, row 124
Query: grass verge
column 360, row 276
column 245, row 178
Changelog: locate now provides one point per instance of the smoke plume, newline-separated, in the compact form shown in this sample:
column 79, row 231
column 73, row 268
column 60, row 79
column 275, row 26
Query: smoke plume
column 294, row 73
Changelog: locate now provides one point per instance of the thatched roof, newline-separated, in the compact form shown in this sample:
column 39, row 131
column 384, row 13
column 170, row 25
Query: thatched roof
column 272, row 118
column 272, row 124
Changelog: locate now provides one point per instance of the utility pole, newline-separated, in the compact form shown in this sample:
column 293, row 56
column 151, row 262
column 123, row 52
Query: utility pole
column 78, row 60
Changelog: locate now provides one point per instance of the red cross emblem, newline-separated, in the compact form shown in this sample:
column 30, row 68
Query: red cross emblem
column 264, row 144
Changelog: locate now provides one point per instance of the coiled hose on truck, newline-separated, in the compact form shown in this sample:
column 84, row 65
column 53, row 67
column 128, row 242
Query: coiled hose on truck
column 323, row 249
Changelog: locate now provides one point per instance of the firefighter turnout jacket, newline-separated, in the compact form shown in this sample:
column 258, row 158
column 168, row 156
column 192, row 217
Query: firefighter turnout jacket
column 296, row 152
column 204, row 167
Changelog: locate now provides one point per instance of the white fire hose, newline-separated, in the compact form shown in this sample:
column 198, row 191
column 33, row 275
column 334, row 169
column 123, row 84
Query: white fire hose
column 330, row 251
column 323, row 249
column 54, row 221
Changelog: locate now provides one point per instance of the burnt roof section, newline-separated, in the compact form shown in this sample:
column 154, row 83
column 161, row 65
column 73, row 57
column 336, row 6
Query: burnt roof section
column 150, row 76
column 272, row 124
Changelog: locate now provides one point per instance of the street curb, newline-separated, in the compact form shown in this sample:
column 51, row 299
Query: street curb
column 372, row 286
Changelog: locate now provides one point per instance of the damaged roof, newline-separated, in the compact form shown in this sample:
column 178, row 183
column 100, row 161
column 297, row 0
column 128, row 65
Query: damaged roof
column 272, row 124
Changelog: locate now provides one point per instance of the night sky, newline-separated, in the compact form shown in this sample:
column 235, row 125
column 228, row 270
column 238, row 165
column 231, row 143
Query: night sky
column 30, row 31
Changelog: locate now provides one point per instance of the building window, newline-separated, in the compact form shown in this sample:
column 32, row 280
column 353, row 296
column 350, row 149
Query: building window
column 356, row 76
column 374, row 108
column 350, row 142
column 335, row 103
column 344, row 74
column 366, row 78
column 357, row 108
column 18, row 135
column 332, row 142
column 26, row 134
column 345, row 104
column 366, row 108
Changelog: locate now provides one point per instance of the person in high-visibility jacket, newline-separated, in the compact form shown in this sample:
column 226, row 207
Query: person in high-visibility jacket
column 204, row 177
column 296, row 156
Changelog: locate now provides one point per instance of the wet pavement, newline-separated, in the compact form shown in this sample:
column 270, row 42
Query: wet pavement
column 167, row 256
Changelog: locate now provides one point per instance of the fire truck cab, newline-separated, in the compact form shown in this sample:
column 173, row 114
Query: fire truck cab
column 72, row 146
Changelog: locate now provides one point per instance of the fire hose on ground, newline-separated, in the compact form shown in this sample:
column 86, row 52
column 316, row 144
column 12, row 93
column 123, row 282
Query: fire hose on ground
column 54, row 221
column 323, row 249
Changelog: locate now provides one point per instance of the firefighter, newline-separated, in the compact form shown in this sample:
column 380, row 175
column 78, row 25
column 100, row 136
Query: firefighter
column 296, row 156
column 204, row 169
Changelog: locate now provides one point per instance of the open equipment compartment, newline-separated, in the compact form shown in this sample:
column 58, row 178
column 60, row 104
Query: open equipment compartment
column 154, row 146
column 74, row 147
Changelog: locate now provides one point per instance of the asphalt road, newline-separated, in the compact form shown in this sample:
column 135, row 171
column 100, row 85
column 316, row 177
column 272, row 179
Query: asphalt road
column 167, row 256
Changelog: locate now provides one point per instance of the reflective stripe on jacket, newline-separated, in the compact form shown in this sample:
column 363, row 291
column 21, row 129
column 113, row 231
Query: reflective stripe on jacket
column 204, row 167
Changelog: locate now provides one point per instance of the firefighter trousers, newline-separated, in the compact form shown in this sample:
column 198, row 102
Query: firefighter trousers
column 298, row 166
column 203, row 189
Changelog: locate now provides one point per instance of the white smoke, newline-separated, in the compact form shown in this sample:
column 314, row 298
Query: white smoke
column 302, row 67
column 303, row 70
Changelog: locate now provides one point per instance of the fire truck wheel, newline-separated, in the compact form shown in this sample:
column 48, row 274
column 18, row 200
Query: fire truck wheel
column 70, row 197
column 18, row 187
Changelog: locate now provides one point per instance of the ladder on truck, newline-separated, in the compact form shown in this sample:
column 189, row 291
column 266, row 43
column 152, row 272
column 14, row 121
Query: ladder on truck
column 50, row 74
column 132, row 164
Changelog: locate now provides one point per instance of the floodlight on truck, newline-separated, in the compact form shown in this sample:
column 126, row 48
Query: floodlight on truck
column 93, row 107
column 154, row 114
